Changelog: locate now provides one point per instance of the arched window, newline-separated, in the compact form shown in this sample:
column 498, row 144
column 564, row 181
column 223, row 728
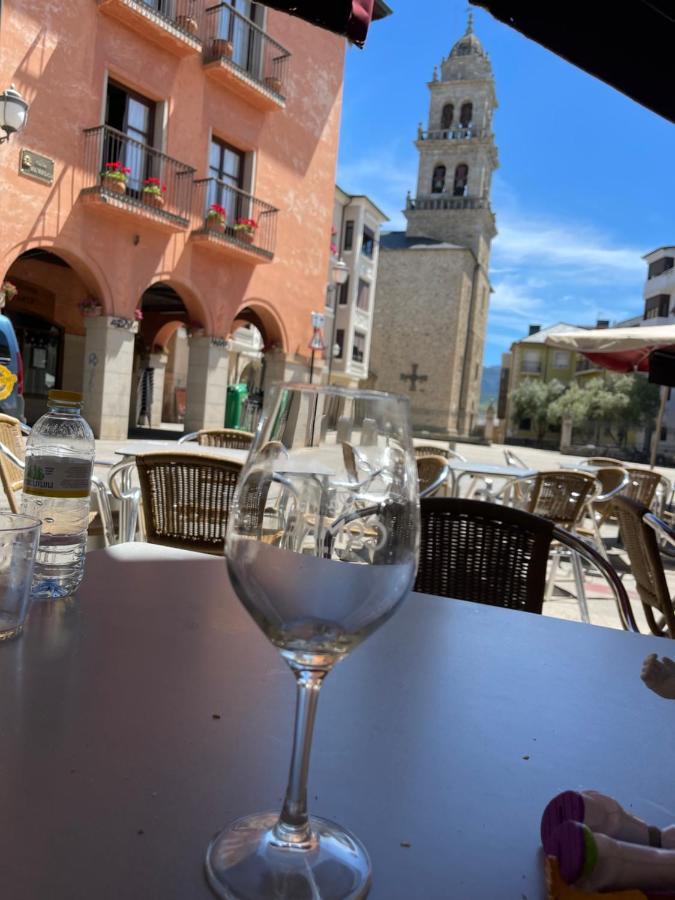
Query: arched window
column 438, row 180
column 447, row 116
column 466, row 115
column 461, row 179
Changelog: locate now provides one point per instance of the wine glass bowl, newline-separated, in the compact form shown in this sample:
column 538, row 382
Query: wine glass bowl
column 321, row 549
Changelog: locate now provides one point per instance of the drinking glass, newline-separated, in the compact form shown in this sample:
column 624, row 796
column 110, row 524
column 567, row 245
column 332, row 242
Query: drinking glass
column 321, row 549
column 18, row 545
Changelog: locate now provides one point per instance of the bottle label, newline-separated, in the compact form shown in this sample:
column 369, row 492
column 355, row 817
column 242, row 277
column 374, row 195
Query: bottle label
column 57, row 476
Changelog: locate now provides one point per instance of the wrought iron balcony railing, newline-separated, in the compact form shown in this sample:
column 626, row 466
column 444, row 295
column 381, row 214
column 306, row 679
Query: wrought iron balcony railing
column 444, row 201
column 237, row 218
column 242, row 45
column 130, row 172
column 450, row 134
column 186, row 16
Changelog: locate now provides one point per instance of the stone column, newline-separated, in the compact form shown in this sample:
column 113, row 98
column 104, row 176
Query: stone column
column 566, row 433
column 206, row 383
column 157, row 361
column 108, row 362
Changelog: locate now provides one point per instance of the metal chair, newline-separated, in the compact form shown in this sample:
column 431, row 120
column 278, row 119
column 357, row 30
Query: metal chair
column 497, row 555
column 433, row 473
column 513, row 460
column 186, row 499
column 220, row 437
column 641, row 532
column 647, row 487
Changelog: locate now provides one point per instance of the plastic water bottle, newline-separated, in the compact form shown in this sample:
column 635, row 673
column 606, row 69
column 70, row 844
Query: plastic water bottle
column 57, row 482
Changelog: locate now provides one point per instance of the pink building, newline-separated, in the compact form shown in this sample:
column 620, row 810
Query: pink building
column 231, row 110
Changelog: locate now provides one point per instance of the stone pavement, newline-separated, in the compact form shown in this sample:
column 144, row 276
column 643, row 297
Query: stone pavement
column 563, row 604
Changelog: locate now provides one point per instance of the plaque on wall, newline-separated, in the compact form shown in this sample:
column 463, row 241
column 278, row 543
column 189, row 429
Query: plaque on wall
column 36, row 166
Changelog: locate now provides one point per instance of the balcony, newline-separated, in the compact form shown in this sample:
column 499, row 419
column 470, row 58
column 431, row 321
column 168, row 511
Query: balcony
column 232, row 237
column 445, row 201
column 450, row 134
column 175, row 25
column 240, row 56
column 107, row 149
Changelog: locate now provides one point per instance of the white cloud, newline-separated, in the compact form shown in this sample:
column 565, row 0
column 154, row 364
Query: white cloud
column 385, row 176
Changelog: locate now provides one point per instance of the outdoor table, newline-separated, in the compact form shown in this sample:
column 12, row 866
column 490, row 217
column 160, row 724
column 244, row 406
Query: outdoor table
column 131, row 450
column 476, row 470
column 149, row 711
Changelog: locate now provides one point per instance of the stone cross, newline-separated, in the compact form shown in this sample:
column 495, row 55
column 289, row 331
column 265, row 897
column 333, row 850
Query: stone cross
column 413, row 377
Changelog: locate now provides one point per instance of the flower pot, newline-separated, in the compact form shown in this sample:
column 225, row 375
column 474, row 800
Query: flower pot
column 114, row 185
column 152, row 199
column 187, row 23
column 246, row 236
column 221, row 48
column 274, row 84
column 213, row 223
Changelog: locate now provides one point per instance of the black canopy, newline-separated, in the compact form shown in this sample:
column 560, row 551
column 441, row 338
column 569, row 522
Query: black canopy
column 348, row 17
column 629, row 45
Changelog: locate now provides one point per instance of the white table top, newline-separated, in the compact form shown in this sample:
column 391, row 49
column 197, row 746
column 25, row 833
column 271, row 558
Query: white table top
column 138, row 448
column 141, row 717
column 476, row 468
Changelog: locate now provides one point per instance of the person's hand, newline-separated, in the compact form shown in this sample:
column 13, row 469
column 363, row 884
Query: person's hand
column 659, row 675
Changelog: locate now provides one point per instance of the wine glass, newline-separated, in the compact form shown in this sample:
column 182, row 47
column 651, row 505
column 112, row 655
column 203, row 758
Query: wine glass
column 321, row 548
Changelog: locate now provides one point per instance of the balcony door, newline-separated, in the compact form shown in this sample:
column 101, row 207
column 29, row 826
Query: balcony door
column 134, row 116
column 226, row 167
column 236, row 27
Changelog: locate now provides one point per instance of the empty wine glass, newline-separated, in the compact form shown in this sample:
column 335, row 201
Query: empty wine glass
column 321, row 548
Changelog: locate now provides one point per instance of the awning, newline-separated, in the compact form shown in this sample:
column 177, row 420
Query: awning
column 619, row 349
column 350, row 18
column 627, row 45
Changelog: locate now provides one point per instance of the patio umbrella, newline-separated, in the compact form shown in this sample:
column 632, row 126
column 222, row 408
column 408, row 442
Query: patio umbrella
column 621, row 350
column 347, row 17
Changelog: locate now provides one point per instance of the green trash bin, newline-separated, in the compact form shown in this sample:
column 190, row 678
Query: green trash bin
column 234, row 406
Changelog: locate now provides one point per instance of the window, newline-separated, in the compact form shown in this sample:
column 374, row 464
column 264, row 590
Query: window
column 134, row 116
column 531, row 361
column 343, row 293
column 438, row 180
column 363, row 295
column 461, row 178
column 466, row 115
column 561, row 359
column 447, row 116
column 359, row 346
column 238, row 30
column 660, row 266
column 340, row 342
column 368, row 242
column 349, row 235
column 657, row 306
column 226, row 167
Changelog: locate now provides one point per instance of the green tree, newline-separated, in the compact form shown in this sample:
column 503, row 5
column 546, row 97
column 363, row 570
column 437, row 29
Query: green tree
column 532, row 399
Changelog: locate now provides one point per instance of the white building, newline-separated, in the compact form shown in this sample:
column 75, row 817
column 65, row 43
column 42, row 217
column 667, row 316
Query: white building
column 659, row 297
column 349, row 307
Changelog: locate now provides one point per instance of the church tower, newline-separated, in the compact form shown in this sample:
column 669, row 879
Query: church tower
column 432, row 293
column 457, row 153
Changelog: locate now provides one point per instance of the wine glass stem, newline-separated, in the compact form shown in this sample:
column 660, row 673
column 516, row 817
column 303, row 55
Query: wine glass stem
column 293, row 825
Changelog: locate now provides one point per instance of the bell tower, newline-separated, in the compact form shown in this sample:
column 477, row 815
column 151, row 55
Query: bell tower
column 457, row 153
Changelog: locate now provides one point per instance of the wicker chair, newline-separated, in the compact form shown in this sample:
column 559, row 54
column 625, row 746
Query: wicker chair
column 603, row 461
column 231, row 438
column 639, row 529
column 433, row 473
column 643, row 485
column 12, row 455
column 429, row 450
column 496, row 555
column 186, row 499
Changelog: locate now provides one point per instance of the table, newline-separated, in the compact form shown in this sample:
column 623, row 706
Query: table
column 474, row 470
column 144, row 715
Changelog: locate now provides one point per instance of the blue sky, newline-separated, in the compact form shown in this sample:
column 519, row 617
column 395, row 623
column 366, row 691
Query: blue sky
column 585, row 186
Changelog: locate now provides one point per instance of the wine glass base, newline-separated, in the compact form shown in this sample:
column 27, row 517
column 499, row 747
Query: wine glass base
column 246, row 861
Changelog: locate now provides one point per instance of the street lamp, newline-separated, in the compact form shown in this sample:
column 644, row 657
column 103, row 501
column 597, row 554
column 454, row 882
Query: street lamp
column 13, row 112
column 339, row 274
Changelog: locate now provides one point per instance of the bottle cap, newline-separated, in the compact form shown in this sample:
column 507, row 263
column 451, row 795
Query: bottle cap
column 65, row 396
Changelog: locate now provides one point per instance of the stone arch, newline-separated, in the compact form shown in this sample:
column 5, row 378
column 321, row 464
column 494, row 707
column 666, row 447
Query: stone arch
column 438, row 179
column 447, row 116
column 466, row 114
column 461, row 180
column 266, row 319
column 197, row 311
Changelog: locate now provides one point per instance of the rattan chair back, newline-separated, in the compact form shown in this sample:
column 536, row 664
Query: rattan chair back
column 642, row 485
column 603, row 461
column 11, row 474
column 432, row 470
column 611, row 478
column 560, row 496
column 641, row 545
column 231, row 438
column 429, row 450
column 186, row 499
column 483, row 552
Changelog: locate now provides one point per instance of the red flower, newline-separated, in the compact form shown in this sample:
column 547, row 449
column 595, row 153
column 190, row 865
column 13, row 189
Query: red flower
column 126, row 170
column 151, row 181
column 218, row 210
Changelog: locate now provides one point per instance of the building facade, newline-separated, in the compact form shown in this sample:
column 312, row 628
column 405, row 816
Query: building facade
column 355, row 237
column 433, row 289
column 174, row 184
column 659, row 309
